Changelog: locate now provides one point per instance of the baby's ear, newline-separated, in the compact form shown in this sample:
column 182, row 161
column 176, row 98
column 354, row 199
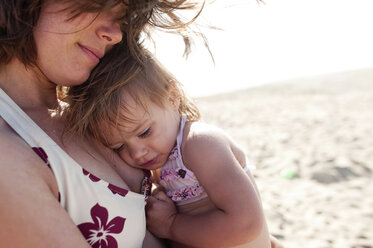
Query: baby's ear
column 174, row 94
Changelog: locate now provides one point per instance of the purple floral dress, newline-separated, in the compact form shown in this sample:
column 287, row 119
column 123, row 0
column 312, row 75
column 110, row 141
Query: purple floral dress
column 180, row 183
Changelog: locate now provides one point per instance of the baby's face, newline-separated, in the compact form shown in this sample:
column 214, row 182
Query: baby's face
column 147, row 138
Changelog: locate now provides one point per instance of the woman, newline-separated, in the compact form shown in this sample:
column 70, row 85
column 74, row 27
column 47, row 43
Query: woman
column 54, row 191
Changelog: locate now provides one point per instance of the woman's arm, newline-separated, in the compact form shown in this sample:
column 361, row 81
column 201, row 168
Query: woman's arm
column 238, row 218
column 30, row 214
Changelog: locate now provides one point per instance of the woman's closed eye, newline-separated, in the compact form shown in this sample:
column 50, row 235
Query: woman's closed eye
column 145, row 133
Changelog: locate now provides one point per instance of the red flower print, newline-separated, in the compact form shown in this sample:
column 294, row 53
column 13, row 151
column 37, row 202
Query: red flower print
column 42, row 154
column 92, row 177
column 97, row 232
column 116, row 190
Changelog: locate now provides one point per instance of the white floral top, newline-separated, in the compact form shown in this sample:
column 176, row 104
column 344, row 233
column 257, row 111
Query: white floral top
column 108, row 216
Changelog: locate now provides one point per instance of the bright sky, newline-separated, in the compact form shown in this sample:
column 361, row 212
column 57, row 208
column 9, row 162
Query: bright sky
column 269, row 42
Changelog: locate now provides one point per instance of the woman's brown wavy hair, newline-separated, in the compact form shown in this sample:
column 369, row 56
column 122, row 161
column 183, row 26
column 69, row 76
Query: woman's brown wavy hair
column 19, row 17
column 100, row 99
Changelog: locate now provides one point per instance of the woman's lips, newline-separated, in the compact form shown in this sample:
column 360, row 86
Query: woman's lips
column 93, row 54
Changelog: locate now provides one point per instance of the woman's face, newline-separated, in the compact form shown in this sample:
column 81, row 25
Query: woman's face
column 68, row 50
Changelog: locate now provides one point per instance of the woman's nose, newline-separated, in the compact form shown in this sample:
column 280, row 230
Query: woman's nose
column 108, row 27
column 110, row 32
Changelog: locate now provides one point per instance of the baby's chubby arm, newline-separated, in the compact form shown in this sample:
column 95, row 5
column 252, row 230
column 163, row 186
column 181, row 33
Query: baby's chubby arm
column 239, row 216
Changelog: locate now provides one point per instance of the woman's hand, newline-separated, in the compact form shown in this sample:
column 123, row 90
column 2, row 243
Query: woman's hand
column 160, row 214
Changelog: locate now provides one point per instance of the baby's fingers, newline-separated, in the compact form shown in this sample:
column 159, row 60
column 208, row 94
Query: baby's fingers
column 157, row 189
column 161, row 195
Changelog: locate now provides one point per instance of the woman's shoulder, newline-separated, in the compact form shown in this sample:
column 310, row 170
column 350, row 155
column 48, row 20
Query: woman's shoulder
column 19, row 160
column 28, row 194
column 10, row 143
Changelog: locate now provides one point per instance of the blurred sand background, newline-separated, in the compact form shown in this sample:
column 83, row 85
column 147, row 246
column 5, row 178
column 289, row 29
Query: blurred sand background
column 310, row 137
column 312, row 142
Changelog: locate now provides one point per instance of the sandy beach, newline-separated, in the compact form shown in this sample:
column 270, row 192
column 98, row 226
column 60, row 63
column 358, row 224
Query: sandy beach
column 311, row 140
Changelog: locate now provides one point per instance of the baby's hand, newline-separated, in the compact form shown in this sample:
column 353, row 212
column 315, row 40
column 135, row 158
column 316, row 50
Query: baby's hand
column 156, row 189
column 160, row 214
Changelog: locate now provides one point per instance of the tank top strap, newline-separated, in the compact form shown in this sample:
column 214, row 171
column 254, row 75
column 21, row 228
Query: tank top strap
column 179, row 137
column 22, row 124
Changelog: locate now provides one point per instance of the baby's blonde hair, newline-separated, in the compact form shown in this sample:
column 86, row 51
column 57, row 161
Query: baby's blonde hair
column 100, row 101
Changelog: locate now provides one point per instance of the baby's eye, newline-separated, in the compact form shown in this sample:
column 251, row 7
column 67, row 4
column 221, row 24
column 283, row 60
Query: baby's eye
column 119, row 148
column 146, row 133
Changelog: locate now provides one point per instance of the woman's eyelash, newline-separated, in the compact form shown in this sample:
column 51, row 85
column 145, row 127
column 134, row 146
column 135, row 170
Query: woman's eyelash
column 146, row 133
column 119, row 149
